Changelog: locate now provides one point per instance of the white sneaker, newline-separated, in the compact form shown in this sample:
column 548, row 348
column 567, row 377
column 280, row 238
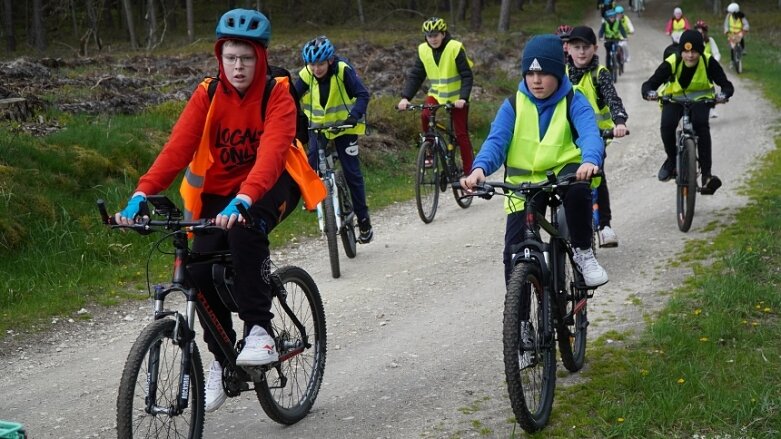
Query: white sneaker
column 258, row 350
column 215, row 394
column 713, row 113
column 593, row 273
column 607, row 237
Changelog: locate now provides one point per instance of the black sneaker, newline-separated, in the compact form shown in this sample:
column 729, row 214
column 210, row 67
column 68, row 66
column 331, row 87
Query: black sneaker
column 710, row 183
column 367, row 233
column 667, row 171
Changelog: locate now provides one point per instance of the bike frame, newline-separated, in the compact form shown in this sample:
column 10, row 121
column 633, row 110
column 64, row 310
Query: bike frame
column 325, row 163
column 437, row 131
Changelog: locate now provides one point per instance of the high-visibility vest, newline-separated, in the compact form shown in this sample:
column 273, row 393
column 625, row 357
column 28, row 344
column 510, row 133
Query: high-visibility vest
column 679, row 25
column 735, row 24
column 444, row 77
column 587, row 85
column 528, row 157
column 612, row 31
column 700, row 87
column 337, row 107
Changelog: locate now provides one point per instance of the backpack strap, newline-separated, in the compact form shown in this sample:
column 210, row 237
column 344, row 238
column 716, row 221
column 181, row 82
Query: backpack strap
column 270, row 84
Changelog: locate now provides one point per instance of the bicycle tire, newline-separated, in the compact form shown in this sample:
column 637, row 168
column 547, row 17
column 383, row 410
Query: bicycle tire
column 738, row 59
column 613, row 64
column 331, row 232
column 132, row 419
column 427, row 176
column 571, row 331
column 348, row 227
column 456, row 173
column 686, row 187
column 531, row 375
column 291, row 403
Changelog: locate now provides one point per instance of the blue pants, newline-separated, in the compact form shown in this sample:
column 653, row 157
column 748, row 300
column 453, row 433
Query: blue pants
column 347, row 149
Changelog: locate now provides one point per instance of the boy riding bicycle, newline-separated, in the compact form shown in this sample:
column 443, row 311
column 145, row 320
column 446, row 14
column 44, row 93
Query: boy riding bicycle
column 690, row 73
column 736, row 26
column 443, row 61
column 533, row 135
column 595, row 82
column 611, row 31
column 225, row 170
column 332, row 94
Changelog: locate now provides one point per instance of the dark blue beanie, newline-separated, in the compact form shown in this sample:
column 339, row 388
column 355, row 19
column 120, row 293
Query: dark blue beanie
column 544, row 53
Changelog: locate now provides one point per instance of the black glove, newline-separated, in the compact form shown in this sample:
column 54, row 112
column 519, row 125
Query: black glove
column 352, row 121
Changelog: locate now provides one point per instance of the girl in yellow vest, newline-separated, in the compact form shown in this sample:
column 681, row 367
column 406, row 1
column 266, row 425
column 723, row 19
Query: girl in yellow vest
column 332, row 94
column 676, row 25
column 595, row 82
column 534, row 136
column 443, row 61
column 711, row 49
column 736, row 25
column 693, row 74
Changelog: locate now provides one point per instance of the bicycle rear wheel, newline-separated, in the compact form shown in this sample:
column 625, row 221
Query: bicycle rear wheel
column 289, row 389
column 686, row 188
column 614, row 66
column 331, row 231
column 348, row 226
column 153, row 370
column 427, row 175
column 572, row 321
column 738, row 58
column 529, row 352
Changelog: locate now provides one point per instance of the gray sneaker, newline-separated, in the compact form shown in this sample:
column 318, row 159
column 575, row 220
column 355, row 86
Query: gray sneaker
column 593, row 273
column 607, row 237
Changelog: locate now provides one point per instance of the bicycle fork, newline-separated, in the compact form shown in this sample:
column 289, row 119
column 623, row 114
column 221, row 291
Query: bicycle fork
column 331, row 188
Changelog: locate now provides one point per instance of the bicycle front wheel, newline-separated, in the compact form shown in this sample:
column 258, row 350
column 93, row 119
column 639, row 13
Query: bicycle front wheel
column 738, row 59
column 686, row 190
column 290, row 388
column 572, row 322
column 331, row 231
column 427, row 175
column 149, row 388
column 457, row 171
column 529, row 352
column 348, row 227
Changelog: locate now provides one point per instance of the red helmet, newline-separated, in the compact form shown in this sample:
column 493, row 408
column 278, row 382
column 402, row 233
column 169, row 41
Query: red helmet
column 563, row 31
column 701, row 24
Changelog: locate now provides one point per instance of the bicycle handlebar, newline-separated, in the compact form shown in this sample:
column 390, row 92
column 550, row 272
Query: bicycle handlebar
column 686, row 101
column 413, row 107
column 487, row 189
column 330, row 128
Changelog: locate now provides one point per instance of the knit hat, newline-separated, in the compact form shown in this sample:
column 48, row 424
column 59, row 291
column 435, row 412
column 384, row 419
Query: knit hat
column 583, row 33
column 692, row 40
column 543, row 54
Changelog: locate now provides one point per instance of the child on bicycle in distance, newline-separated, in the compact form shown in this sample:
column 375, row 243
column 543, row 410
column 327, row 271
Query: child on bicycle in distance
column 332, row 94
column 233, row 157
column 532, row 135
column 443, row 61
column 692, row 74
column 676, row 25
column 611, row 31
column 595, row 82
column 628, row 27
column 736, row 25
column 711, row 49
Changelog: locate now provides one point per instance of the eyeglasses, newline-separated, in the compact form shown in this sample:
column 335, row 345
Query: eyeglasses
column 246, row 60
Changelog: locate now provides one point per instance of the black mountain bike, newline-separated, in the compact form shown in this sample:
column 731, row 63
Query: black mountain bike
column 438, row 164
column 335, row 214
column 546, row 301
column 736, row 51
column 162, row 391
column 616, row 56
column 686, row 163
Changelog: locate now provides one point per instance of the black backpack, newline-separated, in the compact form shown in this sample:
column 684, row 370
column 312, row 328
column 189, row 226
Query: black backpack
column 302, row 123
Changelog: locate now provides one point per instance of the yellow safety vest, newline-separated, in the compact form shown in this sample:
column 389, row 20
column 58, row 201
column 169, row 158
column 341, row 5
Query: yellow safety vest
column 337, row 107
column 587, row 86
column 708, row 50
column 679, row 25
column 528, row 157
column 612, row 31
column 700, row 87
column 444, row 77
column 735, row 24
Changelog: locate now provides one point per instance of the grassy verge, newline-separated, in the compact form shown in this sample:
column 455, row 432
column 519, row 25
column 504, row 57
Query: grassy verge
column 707, row 366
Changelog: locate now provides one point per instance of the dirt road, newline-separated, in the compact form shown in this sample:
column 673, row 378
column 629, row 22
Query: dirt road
column 414, row 323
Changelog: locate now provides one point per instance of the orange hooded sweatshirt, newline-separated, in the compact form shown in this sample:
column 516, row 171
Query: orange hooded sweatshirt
column 247, row 154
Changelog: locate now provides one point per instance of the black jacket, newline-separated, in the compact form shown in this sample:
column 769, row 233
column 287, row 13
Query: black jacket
column 664, row 72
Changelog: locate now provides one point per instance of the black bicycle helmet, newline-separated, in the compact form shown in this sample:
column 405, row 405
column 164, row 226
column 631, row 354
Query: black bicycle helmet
column 246, row 24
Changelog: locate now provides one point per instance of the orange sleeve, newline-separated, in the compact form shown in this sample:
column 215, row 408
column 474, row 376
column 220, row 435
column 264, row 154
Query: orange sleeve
column 279, row 130
column 182, row 143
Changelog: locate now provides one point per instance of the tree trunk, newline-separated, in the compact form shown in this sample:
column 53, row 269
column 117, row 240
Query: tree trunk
column 461, row 11
column 39, row 33
column 717, row 7
column 8, row 25
column 476, row 19
column 131, row 29
column 550, row 8
column 504, row 16
column 151, row 19
column 190, row 22
column 361, row 18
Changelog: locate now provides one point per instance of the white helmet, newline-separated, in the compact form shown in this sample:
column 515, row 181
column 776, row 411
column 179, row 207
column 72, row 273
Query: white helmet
column 733, row 8
column 677, row 12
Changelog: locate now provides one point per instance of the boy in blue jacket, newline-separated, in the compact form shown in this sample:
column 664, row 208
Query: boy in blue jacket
column 533, row 135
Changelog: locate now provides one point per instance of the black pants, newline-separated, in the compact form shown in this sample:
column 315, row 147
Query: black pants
column 251, row 260
column 577, row 205
column 347, row 149
column 700, row 118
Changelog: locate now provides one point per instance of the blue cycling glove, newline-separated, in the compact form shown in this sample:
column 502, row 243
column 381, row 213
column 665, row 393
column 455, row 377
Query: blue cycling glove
column 133, row 207
column 232, row 207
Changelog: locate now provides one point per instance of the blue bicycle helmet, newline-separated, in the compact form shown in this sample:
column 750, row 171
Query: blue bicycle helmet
column 246, row 24
column 610, row 13
column 317, row 50
column 619, row 9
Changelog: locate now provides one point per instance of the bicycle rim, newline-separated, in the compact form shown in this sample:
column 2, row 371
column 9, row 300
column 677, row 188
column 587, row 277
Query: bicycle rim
column 156, row 343
column 686, row 190
column 427, row 176
column 530, row 374
column 572, row 322
column 331, row 232
column 288, row 391
column 348, row 227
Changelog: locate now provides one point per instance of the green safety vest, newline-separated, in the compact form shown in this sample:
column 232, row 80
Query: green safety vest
column 444, row 77
column 528, row 157
column 612, row 31
column 338, row 106
column 701, row 86
column 735, row 24
column 588, row 87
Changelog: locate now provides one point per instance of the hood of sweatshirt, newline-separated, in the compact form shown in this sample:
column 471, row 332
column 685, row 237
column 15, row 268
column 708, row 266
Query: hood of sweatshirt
column 255, row 90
